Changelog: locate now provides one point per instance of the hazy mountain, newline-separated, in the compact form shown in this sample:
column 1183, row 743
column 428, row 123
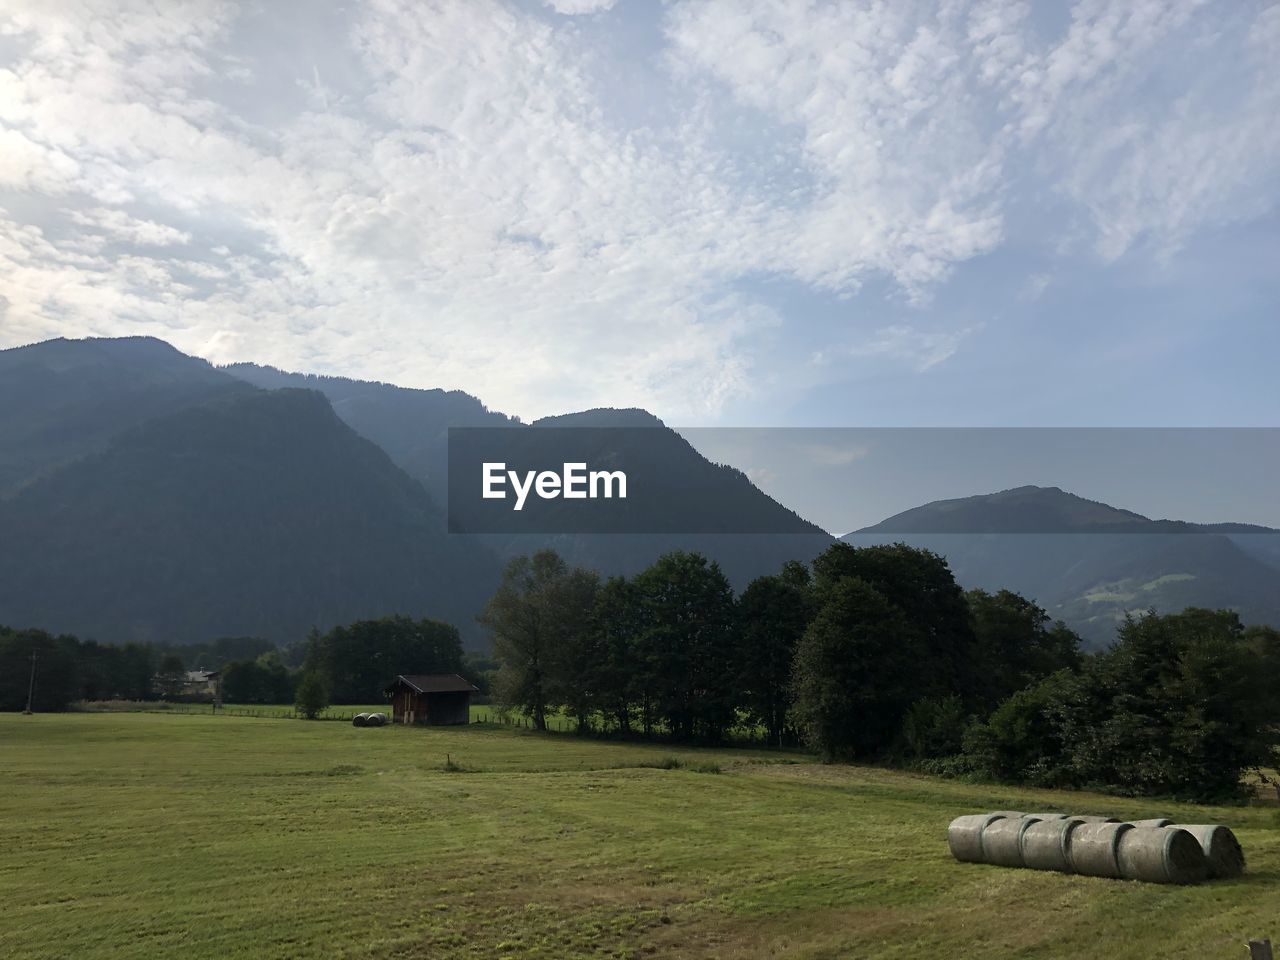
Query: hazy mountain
column 412, row 427
column 259, row 513
column 62, row 399
column 1088, row 562
column 148, row 495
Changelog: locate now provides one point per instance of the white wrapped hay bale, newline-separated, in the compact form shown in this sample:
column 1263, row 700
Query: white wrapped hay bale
column 1046, row 844
column 964, row 835
column 1046, row 816
column 1002, row 840
column 1008, row 814
column 1160, row 855
column 1223, row 856
column 360, row 720
column 1153, row 822
column 1095, row 848
column 1089, row 818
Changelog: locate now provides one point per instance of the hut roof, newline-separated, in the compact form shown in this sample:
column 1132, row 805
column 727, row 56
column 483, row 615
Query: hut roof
column 434, row 683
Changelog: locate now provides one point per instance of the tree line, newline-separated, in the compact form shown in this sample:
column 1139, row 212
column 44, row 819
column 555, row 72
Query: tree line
column 876, row 654
column 351, row 663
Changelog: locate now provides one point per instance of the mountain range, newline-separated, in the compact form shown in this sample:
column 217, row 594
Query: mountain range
column 1089, row 563
column 146, row 495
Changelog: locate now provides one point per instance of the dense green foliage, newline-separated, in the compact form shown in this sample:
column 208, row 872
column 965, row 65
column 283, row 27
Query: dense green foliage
column 358, row 660
column 1181, row 705
column 538, row 618
column 312, row 695
column 67, row 669
column 880, row 655
column 852, row 672
column 263, row 680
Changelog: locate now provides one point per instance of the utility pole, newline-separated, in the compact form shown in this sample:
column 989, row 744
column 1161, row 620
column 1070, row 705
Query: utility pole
column 31, row 684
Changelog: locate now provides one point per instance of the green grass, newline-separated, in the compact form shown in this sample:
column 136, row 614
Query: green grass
column 145, row 835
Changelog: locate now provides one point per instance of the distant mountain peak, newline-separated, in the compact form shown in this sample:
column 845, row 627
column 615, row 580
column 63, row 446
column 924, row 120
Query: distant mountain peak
column 1034, row 509
column 1025, row 509
column 603, row 417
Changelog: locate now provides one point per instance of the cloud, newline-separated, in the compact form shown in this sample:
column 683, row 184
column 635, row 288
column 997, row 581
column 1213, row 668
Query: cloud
column 122, row 226
column 479, row 196
column 573, row 7
column 831, row 455
column 920, row 349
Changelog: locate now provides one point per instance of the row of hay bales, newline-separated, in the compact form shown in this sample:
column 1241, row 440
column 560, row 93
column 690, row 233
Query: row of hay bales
column 1156, row 851
column 370, row 720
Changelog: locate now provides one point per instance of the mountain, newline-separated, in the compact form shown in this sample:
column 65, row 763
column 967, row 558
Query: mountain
column 147, row 495
column 62, row 399
column 412, row 427
column 1089, row 563
column 257, row 513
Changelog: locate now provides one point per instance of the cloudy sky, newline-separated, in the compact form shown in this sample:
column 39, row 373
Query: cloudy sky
column 750, row 212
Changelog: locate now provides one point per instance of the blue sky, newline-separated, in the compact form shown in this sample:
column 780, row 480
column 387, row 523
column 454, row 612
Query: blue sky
column 730, row 212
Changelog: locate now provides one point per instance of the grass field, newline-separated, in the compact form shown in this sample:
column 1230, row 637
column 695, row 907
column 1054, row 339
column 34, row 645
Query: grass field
column 146, row 835
column 557, row 721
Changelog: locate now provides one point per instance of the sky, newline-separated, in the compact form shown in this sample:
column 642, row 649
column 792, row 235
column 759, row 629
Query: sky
column 729, row 212
column 847, row 478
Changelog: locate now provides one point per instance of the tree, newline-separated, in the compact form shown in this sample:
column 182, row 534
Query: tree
column 55, row 670
column 920, row 585
column 1015, row 645
column 1181, row 706
column 684, row 649
column 539, row 608
column 312, row 697
column 774, row 612
column 616, row 623
column 1020, row 741
column 171, row 666
column 852, row 675
column 359, row 659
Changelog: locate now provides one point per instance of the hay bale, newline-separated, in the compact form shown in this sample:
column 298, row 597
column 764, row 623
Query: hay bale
column 1002, row 840
column 1094, row 848
column 1153, row 822
column 1092, row 819
column 1161, row 855
column 1009, row 814
column 1046, row 844
column 376, row 720
column 1223, row 855
column 360, row 720
column 1046, row 816
column 964, row 835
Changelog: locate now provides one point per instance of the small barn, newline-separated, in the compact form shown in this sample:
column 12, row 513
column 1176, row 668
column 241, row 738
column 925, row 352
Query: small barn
column 436, row 699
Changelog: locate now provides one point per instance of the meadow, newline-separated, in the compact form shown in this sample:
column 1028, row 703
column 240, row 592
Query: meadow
column 145, row 835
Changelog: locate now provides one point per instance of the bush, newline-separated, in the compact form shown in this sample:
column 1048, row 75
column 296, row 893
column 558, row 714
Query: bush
column 933, row 728
column 312, row 697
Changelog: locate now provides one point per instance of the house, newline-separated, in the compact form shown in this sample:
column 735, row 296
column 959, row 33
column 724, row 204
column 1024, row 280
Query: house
column 189, row 683
column 436, row 699
column 201, row 681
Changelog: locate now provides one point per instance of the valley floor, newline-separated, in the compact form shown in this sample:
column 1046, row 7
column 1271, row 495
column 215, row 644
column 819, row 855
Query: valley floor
column 147, row 835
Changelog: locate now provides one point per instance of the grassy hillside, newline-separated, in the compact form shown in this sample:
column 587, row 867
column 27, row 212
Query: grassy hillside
column 140, row 835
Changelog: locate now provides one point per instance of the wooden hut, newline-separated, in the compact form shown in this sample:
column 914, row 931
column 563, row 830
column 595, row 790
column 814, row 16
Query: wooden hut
column 435, row 699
